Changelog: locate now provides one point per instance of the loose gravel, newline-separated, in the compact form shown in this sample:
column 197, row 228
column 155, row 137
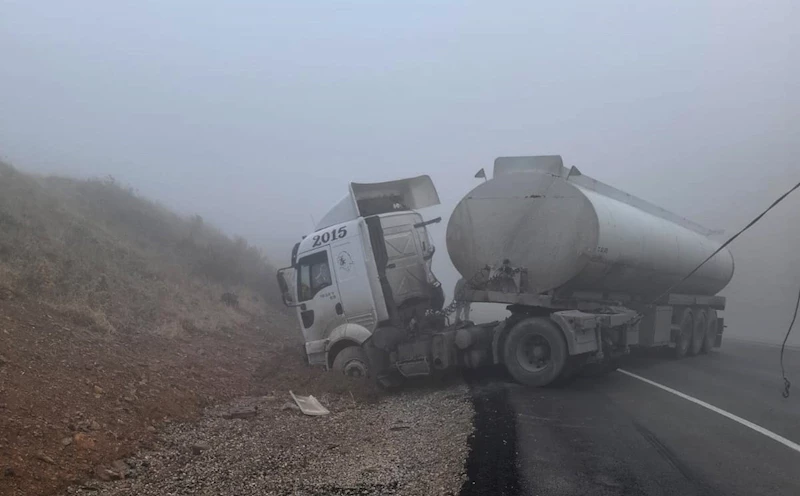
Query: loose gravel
column 410, row 443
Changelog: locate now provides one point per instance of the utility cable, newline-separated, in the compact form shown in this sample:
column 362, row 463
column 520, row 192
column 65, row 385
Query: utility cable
column 786, row 383
column 748, row 226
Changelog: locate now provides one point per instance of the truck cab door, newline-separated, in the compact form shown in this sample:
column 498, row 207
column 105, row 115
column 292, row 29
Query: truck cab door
column 355, row 289
column 319, row 305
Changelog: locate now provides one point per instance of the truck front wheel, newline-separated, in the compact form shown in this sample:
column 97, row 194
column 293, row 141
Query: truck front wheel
column 352, row 362
column 535, row 352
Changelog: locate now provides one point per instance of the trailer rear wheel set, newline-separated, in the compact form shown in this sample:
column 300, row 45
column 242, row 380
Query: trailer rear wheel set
column 695, row 330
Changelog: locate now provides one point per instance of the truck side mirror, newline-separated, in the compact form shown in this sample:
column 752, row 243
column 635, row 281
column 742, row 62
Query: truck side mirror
column 286, row 293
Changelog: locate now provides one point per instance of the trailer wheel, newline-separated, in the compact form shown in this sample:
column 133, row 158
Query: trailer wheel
column 352, row 362
column 535, row 352
column 698, row 332
column 711, row 331
column 683, row 341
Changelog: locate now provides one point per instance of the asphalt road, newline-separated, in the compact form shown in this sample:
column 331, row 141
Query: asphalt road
column 620, row 435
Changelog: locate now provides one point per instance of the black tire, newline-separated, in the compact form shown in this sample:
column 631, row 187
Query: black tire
column 535, row 352
column 352, row 362
column 698, row 331
column 711, row 331
column 683, row 341
column 572, row 369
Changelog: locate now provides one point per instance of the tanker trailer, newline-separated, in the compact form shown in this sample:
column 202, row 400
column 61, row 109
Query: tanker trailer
column 583, row 267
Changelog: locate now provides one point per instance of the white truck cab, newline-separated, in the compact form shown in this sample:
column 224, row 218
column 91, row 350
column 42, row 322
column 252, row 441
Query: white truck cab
column 368, row 260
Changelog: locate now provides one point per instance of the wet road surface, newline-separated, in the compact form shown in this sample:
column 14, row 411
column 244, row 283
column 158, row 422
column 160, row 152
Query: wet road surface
column 620, row 435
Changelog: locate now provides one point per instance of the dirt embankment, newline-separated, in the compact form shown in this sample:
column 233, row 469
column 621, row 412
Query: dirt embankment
column 73, row 401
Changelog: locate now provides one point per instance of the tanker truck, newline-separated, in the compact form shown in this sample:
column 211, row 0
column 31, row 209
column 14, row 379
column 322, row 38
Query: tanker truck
column 587, row 273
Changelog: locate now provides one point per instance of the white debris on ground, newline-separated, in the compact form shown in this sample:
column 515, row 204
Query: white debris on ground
column 409, row 443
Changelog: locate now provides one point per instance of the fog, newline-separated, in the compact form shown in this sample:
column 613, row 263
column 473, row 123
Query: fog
column 256, row 115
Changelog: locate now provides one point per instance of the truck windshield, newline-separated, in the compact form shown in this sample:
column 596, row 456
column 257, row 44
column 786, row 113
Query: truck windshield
column 313, row 275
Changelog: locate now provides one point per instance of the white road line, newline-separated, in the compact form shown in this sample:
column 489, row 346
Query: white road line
column 720, row 411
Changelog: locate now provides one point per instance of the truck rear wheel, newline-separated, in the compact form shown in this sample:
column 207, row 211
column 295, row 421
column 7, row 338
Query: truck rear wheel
column 698, row 331
column 352, row 362
column 711, row 331
column 535, row 352
column 683, row 341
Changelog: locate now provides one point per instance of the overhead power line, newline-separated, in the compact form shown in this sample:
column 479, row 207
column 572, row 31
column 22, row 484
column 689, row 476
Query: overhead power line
column 748, row 226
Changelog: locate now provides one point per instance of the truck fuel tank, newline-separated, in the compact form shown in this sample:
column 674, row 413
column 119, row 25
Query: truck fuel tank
column 573, row 233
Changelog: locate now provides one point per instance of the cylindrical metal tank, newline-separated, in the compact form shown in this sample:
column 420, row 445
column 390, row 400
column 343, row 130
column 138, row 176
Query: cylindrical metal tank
column 573, row 233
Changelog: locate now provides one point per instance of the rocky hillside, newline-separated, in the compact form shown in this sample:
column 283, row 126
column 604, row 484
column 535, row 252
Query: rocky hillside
column 117, row 315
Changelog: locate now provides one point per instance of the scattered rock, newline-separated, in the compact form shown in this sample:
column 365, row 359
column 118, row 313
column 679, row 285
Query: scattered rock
column 241, row 412
column 103, row 474
column 199, row 447
column 9, row 472
column 121, row 468
column 98, row 389
column 66, row 441
column 150, row 428
column 95, row 425
column 290, row 406
column 3, row 360
column 347, row 453
column 82, row 441
column 41, row 456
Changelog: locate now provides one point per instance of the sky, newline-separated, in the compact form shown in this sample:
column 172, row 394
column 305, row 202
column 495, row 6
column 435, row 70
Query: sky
column 256, row 114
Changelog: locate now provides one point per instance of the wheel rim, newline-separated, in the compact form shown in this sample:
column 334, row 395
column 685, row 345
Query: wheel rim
column 355, row 368
column 534, row 353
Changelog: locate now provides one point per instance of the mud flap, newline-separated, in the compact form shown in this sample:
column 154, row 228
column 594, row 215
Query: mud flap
column 720, row 330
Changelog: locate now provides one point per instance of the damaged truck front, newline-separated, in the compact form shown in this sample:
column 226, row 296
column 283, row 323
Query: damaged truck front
column 364, row 273
column 580, row 265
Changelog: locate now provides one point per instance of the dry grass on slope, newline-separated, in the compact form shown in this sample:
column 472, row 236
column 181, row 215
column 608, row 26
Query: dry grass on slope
column 118, row 262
